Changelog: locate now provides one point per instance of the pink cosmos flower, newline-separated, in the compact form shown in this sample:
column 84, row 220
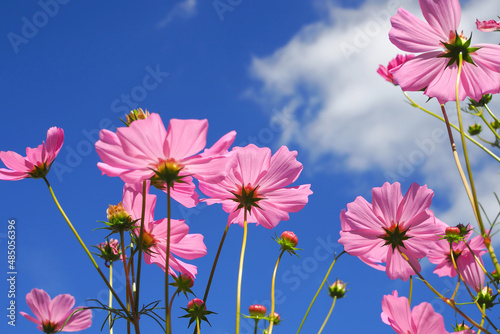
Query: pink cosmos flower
column 421, row 320
column 488, row 26
column 51, row 315
column 380, row 232
column 182, row 244
column 385, row 72
column 439, row 44
column 38, row 160
column 145, row 150
column 257, row 184
column 471, row 271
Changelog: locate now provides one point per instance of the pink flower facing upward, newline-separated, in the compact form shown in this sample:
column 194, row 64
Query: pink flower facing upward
column 257, row 184
column 488, row 26
column 439, row 44
column 182, row 244
column 391, row 225
column 145, row 150
column 467, row 265
column 38, row 160
column 51, row 315
column 421, row 320
column 385, row 72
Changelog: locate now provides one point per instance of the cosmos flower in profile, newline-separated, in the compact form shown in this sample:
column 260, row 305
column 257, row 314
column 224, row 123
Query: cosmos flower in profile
column 52, row 314
column 37, row 162
column 146, row 150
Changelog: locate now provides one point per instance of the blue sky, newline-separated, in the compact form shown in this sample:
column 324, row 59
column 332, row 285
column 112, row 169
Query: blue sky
column 297, row 73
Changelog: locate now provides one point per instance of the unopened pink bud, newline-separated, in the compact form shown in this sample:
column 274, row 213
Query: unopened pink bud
column 452, row 230
column 257, row 310
column 186, row 277
column 197, row 302
column 290, row 237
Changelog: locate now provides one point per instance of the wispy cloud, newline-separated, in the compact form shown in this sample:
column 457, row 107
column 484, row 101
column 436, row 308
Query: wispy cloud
column 184, row 9
column 348, row 118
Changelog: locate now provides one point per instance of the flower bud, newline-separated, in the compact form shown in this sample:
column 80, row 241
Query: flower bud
column 135, row 115
column 196, row 303
column 463, row 327
column 275, row 318
column 485, row 99
column 495, row 124
column 337, row 289
column 118, row 219
column 475, row 129
column 257, row 310
column 288, row 241
column 485, row 297
column 290, row 238
column 495, row 276
column 109, row 251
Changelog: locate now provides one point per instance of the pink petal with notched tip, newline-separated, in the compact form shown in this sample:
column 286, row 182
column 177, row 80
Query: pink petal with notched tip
column 411, row 34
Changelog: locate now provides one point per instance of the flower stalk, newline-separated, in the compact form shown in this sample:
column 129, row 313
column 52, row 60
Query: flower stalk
column 240, row 272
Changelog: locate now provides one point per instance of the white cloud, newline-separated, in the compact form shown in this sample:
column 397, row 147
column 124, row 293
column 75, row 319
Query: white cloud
column 183, row 9
column 347, row 115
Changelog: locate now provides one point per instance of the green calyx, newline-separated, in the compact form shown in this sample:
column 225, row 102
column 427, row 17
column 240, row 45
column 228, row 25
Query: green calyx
column 247, row 198
column 167, row 174
column 457, row 47
column 394, row 236
column 197, row 312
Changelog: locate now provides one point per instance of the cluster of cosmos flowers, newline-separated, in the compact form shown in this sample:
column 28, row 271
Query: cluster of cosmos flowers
column 392, row 233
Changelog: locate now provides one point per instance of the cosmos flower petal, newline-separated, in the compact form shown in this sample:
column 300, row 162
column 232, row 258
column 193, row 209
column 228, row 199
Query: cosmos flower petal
column 419, row 72
column 416, row 200
column 426, row 320
column 79, row 320
column 398, row 267
column 442, row 16
column 186, row 137
column 385, row 201
column 57, row 311
column 411, row 34
column 284, row 169
column 397, row 313
column 39, row 301
column 59, row 307
column 190, row 247
column 185, row 193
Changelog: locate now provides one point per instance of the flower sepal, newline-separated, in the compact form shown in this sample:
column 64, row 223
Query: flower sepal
column 183, row 283
column 196, row 309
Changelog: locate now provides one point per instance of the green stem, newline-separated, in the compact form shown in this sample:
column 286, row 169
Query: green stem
column 414, row 104
column 319, row 289
column 328, row 315
column 240, row 271
column 273, row 283
column 489, row 126
column 128, row 288
column 85, row 248
column 491, row 114
column 475, row 205
column 167, row 264
column 411, row 290
column 110, row 302
column 464, row 147
column 141, row 234
column 209, row 283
